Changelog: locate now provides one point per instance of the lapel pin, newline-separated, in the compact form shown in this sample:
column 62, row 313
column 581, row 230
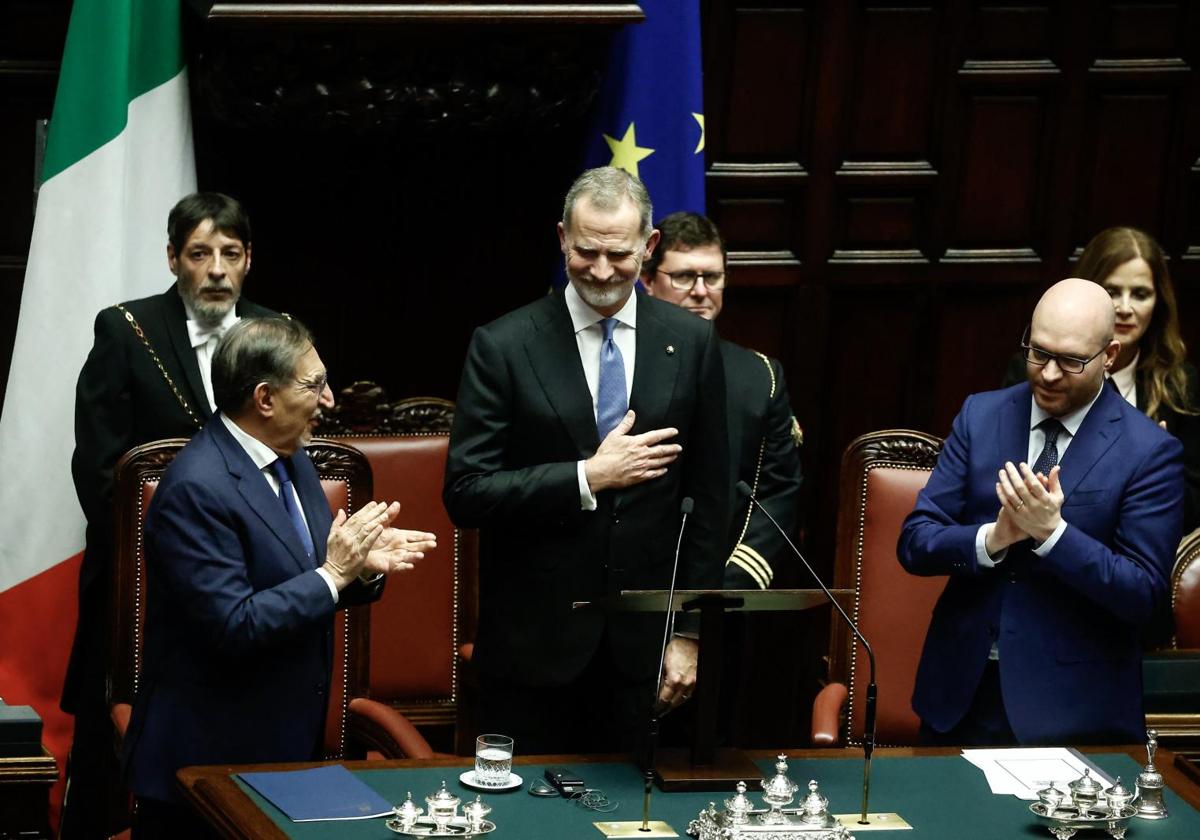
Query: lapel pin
column 670, row 349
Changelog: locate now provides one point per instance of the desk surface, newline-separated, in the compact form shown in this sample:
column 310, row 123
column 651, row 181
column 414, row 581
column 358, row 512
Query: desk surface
column 938, row 792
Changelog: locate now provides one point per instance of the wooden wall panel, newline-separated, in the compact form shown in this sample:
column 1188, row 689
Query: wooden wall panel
column 898, row 181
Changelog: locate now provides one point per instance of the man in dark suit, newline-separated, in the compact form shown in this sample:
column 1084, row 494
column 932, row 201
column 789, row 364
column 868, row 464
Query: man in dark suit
column 1055, row 569
column 583, row 420
column 146, row 378
column 688, row 269
column 245, row 567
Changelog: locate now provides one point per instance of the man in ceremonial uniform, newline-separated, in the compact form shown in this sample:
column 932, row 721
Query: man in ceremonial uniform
column 583, row 420
column 245, row 568
column 688, row 269
column 146, row 378
column 1055, row 569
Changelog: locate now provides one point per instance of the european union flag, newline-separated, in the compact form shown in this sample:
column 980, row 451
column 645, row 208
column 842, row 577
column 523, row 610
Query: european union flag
column 650, row 117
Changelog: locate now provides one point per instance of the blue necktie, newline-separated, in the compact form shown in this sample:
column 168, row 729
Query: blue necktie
column 1049, row 457
column 288, row 497
column 611, row 399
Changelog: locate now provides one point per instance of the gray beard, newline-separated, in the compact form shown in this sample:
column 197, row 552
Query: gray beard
column 601, row 297
column 207, row 314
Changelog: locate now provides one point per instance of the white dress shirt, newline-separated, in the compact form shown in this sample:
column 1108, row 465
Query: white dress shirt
column 1126, row 381
column 263, row 457
column 589, row 337
column 204, row 343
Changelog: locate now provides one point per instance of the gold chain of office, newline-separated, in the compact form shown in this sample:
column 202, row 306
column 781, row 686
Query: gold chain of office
column 137, row 330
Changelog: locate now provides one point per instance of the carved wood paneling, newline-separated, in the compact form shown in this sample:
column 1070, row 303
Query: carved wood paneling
column 1011, row 32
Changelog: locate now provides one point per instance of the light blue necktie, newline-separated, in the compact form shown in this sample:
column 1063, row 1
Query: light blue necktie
column 611, row 399
column 288, row 497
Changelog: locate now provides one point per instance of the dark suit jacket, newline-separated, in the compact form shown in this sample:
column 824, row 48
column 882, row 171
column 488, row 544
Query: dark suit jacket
column 1186, row 427
column 1068, row 624
column 122, row 401
column 524, row 419
column 764, row 453
column 239, row 632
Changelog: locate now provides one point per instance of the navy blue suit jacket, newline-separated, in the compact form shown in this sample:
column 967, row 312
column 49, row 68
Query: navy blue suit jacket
column 1068, row 624
column 238, row 646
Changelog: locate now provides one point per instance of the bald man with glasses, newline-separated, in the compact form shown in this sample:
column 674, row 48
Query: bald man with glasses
column 1054, row 509
column 688, row 269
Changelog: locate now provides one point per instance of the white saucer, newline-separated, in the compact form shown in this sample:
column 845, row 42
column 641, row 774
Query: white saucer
column 468, row 779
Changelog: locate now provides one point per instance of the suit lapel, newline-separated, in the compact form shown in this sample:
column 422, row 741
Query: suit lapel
column 655, row 368
column 1013, row 439
column 553, row 355
column 175, row 325
column 253, row 487
column 1100, row 430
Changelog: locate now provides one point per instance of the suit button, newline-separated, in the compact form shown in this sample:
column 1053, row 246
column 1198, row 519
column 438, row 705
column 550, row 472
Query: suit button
column 616, row 520
column 320, row 688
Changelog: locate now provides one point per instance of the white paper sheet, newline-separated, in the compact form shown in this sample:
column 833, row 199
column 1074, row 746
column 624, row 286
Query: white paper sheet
column 1023, row 771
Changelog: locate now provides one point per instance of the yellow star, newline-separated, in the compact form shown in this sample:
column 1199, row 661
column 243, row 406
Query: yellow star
column 700, row 119
column 626, row 152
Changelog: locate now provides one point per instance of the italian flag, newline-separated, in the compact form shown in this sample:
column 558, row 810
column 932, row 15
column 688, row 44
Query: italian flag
column 119, row 155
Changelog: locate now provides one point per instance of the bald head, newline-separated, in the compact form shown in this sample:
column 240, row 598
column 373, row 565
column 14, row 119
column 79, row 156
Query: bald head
column 1073, row 320
column 1080, row 307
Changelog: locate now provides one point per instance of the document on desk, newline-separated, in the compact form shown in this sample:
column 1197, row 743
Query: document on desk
column 1023, row 771
column 322, row 793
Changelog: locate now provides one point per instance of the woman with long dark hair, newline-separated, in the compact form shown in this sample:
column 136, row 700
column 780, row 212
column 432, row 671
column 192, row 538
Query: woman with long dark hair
column 1151, row 371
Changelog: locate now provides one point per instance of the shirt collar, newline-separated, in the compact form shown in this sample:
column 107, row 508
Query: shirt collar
column 261, row 454
column 198, row 334
column 583, row 316
column 1071, row 422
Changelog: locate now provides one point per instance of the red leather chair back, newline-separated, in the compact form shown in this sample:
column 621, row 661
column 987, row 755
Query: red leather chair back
column 881, row 475
column 427, row 613
column 1185, row 592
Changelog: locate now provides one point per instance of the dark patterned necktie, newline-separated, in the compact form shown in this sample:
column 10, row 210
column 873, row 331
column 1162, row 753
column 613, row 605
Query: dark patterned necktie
column 288, row 497
column 1049, row 457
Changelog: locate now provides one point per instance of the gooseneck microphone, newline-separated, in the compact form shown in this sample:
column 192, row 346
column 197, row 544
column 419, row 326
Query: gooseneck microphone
column 869, row 724
column 685, row 509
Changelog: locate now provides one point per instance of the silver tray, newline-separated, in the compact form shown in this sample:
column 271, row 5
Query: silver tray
column 1065, row 822
column 425, row 827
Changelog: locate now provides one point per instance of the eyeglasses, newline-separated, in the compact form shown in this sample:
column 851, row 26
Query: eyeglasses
column 317, row 386
column 1067, row 364
column 685, row 281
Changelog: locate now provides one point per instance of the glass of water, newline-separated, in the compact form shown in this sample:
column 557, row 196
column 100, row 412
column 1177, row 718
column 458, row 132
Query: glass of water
column 493, row 760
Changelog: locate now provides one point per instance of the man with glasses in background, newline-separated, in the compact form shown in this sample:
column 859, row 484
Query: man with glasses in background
column 1055, row 509
column 688, row 269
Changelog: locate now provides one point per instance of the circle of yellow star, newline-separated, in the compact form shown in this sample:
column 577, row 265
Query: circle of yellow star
column 700, row 119
column 626, row 152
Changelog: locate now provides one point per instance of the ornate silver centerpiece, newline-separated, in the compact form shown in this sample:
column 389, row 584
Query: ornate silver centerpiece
column 740, row 820
column 1086, row 805
column 443, row 819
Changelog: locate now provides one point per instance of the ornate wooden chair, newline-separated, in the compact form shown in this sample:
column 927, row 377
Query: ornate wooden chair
column 346, row 478
column 881, row 474
column 424, row 626
column 1172, row 675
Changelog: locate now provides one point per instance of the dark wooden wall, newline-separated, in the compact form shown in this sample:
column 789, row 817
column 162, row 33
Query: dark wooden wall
column 898, row 181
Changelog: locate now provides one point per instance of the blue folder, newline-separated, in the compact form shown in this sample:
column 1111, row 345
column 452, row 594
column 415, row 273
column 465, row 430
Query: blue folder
column 322, row 793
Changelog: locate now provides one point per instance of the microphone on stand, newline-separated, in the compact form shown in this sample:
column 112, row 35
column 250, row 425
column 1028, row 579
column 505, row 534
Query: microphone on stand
column 685, row 509
column 869, row 724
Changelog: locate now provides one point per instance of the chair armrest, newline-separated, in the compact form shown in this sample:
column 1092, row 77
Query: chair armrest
column 466, row 651
column 827, row 712
column 380, row 727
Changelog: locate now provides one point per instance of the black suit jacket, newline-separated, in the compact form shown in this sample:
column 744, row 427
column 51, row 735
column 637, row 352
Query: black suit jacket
column 524, row 419
column 764, row 452
column 121, row 401
column 1186, row 427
